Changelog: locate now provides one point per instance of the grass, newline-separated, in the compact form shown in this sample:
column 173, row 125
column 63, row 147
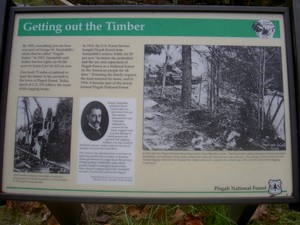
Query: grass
column 36, row 213
column 14, row 213
column 277, row 214
column 167, row 214
column 190, row 215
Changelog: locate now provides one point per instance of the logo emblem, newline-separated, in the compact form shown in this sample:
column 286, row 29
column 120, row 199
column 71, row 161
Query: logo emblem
column 275, row 187
column 264, row 28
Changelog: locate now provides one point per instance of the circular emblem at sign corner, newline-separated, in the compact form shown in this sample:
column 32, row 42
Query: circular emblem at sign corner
column 264, row 28
column 275, row 187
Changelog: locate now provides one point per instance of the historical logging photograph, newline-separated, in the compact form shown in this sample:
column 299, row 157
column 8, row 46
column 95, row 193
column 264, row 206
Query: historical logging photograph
column 213, row 97
column 43, row 135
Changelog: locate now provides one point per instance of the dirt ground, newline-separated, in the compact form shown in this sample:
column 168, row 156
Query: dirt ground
column 168, row 126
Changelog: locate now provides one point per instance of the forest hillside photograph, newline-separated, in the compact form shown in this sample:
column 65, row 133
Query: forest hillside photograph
column 211, row 97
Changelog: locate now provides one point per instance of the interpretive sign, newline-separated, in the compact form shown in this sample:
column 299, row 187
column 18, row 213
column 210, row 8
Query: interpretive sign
column 189, row 105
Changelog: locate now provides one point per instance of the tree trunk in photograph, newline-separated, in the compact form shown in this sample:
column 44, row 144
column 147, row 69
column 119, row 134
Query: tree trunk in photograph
column 261, row 88
column 167, row 48
column 186, row 98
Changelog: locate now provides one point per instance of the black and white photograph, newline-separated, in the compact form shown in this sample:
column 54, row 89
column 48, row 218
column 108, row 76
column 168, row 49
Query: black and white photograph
column 213, row 97
column 94, row 120
column 43, row 135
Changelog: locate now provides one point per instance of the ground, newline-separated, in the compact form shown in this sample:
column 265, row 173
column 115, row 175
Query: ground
column 168, row 126
column 36, row 213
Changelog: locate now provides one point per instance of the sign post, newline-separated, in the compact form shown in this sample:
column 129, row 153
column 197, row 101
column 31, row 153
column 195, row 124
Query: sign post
column 191, row 105
column 4, row 7
column 4, row 10
column 296, row 29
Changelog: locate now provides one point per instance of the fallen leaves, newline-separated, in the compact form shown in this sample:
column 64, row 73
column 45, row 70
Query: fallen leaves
column 260, row 212
column 178, row 216
column 269, row 213
column 182, row 218
column 104, row 214
column 103, row 218
column 133, row 210
column 32, row 209
column 139, row 212
column 160, row 213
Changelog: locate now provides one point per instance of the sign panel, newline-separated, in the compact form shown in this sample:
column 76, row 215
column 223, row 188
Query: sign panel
column 150, row 105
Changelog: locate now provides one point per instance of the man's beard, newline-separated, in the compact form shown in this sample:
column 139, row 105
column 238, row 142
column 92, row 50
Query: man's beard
column 96, row 125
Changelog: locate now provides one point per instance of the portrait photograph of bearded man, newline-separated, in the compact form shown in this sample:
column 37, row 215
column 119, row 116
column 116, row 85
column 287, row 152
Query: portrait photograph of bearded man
column 94, row 120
